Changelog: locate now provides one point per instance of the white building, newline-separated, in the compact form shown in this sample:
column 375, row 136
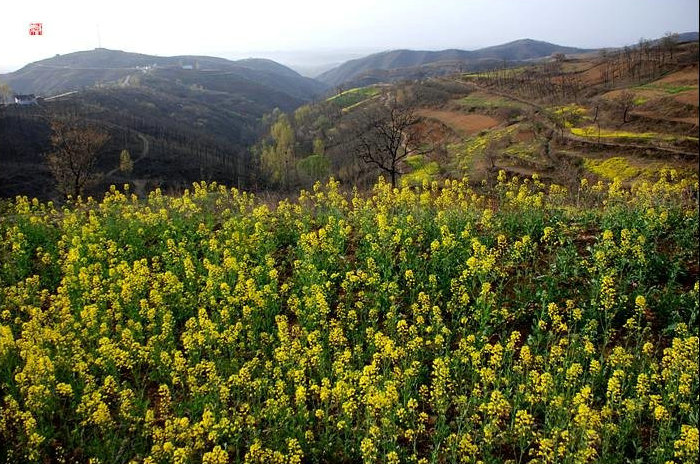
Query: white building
column 29, row 99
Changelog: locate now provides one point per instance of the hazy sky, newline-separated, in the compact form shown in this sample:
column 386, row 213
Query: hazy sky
column 220, row 27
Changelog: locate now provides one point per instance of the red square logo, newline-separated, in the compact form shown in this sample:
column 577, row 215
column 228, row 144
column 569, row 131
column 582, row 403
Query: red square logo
column 36, row 29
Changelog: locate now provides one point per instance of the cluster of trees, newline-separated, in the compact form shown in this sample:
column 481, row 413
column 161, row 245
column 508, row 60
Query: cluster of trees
column 322, row 139
column 56, row 138
column 546, row 82
column 549, row 82
column 646, row 60
column 76, row 153
column 310, row 144
column 293, row 152
column 190, row 138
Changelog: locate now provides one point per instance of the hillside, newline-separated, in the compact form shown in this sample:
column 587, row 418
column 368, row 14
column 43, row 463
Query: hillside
column 565, row 119
column 520, row 286
column 197, row 115
column 190, row 133
column 525, row 49
column 75, row 71
column 623, row 114
column 429, row 62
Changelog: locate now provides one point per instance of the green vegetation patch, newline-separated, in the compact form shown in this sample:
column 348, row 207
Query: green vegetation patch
column 487, row 143
column 592, row 132
column 315, row 167
column 480, row 100
column 488, row 74
column 352, row 97
column 670, row 89
column 422, row 171
column 525, row 151
column 626, row 170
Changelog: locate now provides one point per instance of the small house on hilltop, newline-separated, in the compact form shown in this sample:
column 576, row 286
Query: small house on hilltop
column 29, row 99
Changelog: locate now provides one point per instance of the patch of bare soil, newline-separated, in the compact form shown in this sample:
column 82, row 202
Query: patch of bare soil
column 687, row 76
column 651, row 115
column 647, row 94
column 689, row 97
column 466, row 124
column 525, row 136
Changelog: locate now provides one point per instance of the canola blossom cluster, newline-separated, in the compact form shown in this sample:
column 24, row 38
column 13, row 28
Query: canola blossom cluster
column 520, row 322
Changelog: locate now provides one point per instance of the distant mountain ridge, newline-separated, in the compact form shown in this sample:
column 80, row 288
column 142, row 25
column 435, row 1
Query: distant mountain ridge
column 189, row 117
column 79, row 70
column 519, row 50
column 688, row 37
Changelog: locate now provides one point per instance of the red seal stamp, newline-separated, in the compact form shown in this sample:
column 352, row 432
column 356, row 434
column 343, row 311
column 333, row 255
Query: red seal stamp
column 36, row 29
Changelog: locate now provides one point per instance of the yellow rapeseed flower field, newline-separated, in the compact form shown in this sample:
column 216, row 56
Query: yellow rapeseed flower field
column 438, row 324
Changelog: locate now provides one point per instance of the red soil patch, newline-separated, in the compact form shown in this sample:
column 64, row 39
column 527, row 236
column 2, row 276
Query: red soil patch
column 594, row 75
column 525, row 136
column 688, row 76
column 648, row 114
column 689, row 97
column 460, row 122
column 576, row 66
column 648, row 94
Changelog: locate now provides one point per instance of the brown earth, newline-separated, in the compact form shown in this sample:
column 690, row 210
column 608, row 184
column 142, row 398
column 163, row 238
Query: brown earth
column 648, row 94
column 649, row 114
column 462, row 123
column 525, row 136
column 688, row 76
column 689, row 97
column 593, row 75
column 576, row 66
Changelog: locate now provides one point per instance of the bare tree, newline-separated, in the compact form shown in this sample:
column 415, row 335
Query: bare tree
column 624, row 103
column 75, row 149
column 669, row 42
column 385, row 135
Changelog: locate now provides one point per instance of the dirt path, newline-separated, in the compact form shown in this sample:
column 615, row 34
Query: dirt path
column 60, row 95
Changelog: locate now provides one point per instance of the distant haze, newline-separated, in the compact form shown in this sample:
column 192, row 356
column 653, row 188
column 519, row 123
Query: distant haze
column 310, row 28
column 309, row 63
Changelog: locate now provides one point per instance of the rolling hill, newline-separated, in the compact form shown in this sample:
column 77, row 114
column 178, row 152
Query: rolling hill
column 76, row 71
column 627, row 113
column 190, row 117
column 187, row 118
column 402, row 64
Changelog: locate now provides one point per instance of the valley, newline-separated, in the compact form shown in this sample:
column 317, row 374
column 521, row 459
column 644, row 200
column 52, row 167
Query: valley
column 532, row 108
column 435, row 256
